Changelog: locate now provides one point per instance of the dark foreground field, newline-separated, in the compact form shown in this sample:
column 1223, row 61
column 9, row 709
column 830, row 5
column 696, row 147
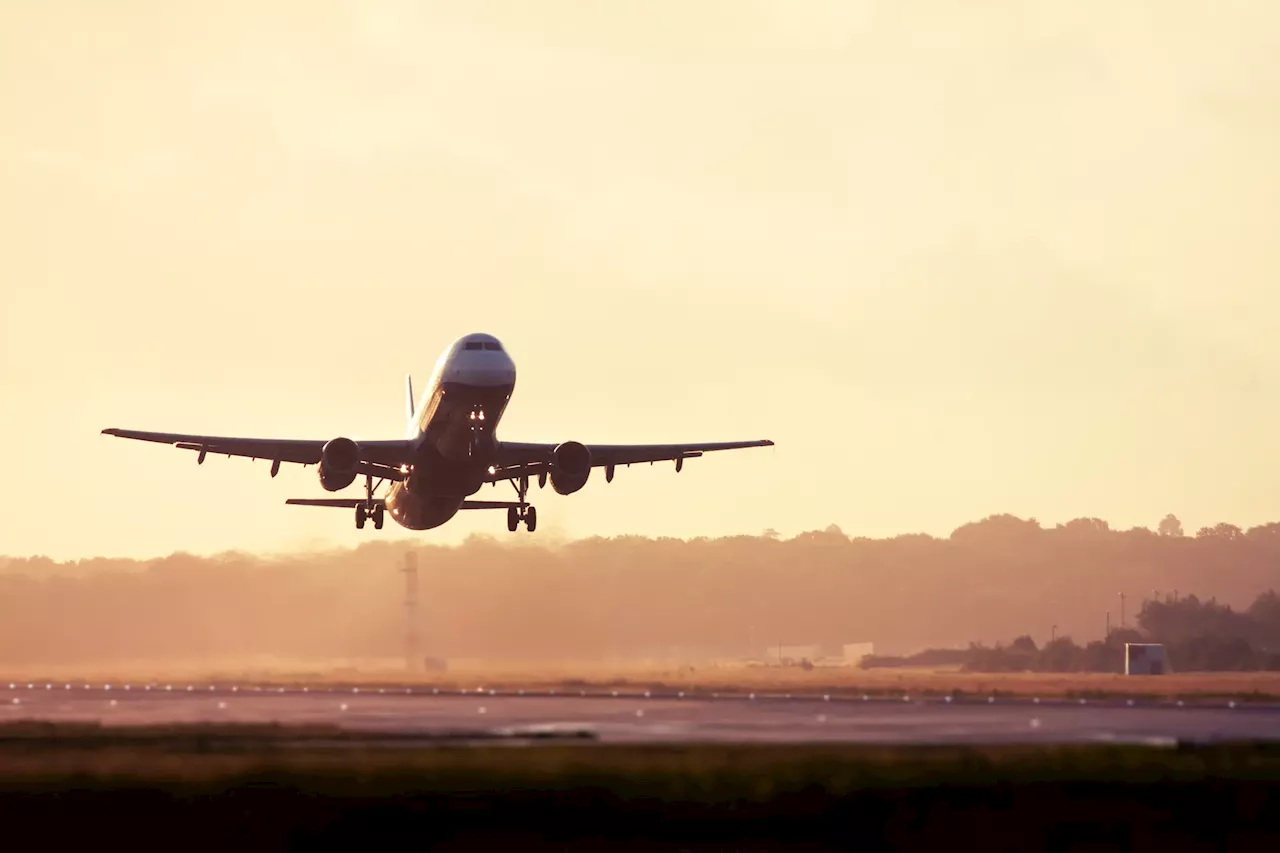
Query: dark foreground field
column 267, row 788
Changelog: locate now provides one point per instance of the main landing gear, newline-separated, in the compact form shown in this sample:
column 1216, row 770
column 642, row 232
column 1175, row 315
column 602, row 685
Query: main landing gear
column 370, row 508
column 524, row 512
column 529, row 515
column 363, row 513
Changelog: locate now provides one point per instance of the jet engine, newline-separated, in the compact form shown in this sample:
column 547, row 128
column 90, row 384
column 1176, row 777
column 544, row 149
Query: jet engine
column 338, row 462
column 570, row 467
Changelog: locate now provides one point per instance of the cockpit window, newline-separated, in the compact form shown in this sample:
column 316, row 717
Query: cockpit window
column 473, row 345
column 493, row 345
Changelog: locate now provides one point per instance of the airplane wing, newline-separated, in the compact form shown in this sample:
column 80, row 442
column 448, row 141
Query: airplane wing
column 532, row 458
column 390, row 454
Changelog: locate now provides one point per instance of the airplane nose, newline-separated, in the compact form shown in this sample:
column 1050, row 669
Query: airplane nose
column 490, row 375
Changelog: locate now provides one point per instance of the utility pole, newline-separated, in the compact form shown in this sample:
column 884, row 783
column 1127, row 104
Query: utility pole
column 1122, row 610
column 1107, row 635
column 1053, row 633
column 411, row 611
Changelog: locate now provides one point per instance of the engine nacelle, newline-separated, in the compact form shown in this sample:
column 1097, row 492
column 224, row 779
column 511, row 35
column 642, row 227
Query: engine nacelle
column 338, row 462
column 570, row 467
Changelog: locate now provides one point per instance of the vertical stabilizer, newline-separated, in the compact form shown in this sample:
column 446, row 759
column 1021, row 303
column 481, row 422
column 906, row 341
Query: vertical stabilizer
column 408, row 396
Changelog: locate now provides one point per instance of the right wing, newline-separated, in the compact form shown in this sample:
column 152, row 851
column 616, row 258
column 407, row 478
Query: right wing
column 533, row 458
column 385, row 454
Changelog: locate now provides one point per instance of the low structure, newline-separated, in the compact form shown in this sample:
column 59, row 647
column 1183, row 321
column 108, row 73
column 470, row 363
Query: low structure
column 1144, row 659
column 853, row 653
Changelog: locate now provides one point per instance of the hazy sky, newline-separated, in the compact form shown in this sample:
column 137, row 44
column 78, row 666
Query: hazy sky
column 954, row 258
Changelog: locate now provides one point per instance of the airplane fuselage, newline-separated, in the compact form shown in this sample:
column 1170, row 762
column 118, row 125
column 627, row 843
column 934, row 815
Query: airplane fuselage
column 453, row 429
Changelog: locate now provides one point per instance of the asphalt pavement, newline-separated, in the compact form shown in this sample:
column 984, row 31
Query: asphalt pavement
column 643, row 716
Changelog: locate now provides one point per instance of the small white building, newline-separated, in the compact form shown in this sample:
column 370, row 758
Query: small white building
column 1144, row 659
column 853, row 653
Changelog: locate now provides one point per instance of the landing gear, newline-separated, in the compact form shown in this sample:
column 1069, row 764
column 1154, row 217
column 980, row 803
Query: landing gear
column 364, row 513
column 529, row 516
column 369, row 509
column 524, row 512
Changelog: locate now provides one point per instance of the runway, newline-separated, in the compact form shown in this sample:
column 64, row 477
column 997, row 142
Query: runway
column 639, row 716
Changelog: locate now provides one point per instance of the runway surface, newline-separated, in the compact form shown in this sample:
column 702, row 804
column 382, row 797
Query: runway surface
column 640, row 716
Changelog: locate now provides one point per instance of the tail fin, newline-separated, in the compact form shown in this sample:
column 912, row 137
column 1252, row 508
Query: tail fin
column 408, row 396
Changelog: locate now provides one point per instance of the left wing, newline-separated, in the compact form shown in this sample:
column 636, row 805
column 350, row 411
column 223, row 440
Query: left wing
column 387, row 455
column 533, row 458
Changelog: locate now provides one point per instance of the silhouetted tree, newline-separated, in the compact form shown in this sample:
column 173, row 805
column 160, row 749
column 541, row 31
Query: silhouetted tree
column 1221, row 530
column 1170, row 526
column 1086, row 526
column 510, row 598
column 1024, row 644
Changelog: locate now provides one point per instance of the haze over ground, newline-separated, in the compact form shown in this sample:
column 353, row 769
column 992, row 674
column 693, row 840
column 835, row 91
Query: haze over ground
column 628, row 598
column 955, row 259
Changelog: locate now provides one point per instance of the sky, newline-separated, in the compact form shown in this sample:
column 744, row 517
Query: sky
column 956, row 259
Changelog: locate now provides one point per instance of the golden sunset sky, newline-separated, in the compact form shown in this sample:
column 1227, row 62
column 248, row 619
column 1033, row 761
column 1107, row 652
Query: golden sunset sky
column 955, row 258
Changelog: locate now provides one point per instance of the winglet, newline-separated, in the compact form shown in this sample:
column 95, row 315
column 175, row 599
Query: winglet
column 408, row 396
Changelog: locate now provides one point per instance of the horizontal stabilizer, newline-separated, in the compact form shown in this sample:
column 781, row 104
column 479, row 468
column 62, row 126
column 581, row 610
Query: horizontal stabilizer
column 490, row 505
column 340, row 503
column 352, row 503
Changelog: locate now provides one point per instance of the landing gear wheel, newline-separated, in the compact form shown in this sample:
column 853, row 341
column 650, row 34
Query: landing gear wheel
column 522, row 511
column 377, row 517
column 360, row 517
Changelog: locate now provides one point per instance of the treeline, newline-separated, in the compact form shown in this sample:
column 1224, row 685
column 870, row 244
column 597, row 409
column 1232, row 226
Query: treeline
column 1198, row 636
column 514, row 597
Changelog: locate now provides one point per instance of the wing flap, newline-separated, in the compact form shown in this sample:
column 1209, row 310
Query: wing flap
column 340, row 503
column 304, row 452
column 533, row 458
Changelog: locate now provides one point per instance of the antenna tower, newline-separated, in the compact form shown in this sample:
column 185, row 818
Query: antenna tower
column 411, row 657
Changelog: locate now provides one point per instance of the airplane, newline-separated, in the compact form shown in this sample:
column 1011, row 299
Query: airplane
column 449, row 452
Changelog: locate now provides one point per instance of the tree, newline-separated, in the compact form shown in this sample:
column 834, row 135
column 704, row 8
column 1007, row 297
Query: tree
column 1024, row 644
column 1170, row 526
column 1086, row 526
column 1221, row 530
column 1002, row 527
column 1265, row 534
